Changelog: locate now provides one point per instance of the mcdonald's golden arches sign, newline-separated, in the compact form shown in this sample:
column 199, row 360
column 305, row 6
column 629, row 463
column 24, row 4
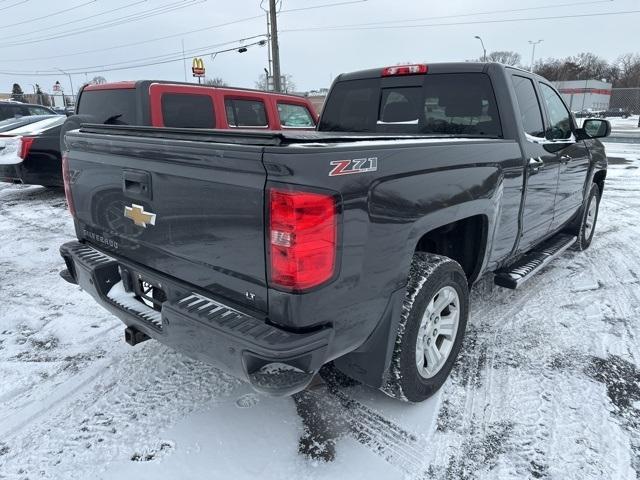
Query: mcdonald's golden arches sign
column 197, row 67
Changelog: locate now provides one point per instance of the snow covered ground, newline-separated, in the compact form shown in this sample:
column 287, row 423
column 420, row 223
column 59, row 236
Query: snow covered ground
column 548, row 385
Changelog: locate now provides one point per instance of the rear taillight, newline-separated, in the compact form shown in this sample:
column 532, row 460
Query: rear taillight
column 66, row 177
column 404, row 70
column 25, row 146
column 302, row 238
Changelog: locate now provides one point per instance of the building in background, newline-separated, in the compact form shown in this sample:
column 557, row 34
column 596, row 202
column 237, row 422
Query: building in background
column 585, row 94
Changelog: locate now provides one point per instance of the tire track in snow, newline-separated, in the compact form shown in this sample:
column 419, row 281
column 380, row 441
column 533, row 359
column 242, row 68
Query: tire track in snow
column 137, row 396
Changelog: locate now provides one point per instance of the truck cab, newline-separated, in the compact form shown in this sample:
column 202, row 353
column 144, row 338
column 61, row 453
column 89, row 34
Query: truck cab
column 186, row 105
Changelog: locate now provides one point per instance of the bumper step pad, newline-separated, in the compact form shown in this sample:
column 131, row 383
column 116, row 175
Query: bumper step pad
column 526, row 267
column 225, row 318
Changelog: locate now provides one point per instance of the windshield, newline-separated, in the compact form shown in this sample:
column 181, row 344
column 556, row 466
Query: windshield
column 448, row 104
column 115, row 106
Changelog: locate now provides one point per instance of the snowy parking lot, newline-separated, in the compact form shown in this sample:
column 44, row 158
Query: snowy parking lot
column 548, row 384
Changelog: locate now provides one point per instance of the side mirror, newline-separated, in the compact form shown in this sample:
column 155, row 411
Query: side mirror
column 597, row 127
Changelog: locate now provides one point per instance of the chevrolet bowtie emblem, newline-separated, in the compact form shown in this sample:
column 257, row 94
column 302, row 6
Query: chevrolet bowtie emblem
column 139, row 216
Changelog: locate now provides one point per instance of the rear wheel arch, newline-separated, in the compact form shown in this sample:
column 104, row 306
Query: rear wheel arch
column 464, row 240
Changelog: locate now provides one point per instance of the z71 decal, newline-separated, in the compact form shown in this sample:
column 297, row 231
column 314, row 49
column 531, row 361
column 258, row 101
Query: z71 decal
column 357, row 165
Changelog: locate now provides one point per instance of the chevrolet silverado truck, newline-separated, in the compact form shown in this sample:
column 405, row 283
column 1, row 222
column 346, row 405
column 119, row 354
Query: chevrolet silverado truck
column 270, row 254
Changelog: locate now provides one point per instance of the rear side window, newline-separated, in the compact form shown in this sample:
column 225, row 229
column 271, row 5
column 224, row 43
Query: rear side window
column 245, row 113
column 448, row 104
column 293, row 116
column 38, row 111
column 528, row 105
column 187, row 110
column 117, row 106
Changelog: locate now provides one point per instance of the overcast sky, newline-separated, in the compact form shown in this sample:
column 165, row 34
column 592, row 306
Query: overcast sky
column 35, row 36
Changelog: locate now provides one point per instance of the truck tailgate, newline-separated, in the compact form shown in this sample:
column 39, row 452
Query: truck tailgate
column 190, row 209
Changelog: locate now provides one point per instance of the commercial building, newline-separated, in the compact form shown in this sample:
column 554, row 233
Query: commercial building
column 585, row 94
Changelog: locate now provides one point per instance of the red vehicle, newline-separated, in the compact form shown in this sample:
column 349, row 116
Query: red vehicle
column 185, row 105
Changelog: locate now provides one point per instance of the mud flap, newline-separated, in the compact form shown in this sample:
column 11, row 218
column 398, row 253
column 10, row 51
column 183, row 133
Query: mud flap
column 371, row 360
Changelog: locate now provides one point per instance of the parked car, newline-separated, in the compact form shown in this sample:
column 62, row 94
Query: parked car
column 186, row 105
column 270, row 254
column 588, row 113
column 616, row 112
column 30, row 152
column 16, row 109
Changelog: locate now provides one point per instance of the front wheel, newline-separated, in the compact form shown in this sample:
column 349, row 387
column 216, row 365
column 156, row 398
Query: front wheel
column 589, row 217
column 431, row 329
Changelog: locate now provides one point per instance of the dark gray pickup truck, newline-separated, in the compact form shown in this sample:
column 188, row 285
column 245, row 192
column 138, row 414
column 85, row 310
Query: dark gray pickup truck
column 271, row 254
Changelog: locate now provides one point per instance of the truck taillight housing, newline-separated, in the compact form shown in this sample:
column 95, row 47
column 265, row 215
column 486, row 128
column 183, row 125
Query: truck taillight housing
column 303, row 231
column 66, row 177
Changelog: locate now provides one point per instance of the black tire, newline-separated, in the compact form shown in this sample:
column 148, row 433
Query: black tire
column 428, row 275
column 584, row 234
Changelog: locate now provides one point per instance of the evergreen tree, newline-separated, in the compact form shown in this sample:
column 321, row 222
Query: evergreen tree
column 17, row 93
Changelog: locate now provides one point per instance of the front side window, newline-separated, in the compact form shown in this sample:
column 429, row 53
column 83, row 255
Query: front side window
column 559, row 117
column 295, row 116
column 187, row 110
column 528, row 106
column 245, row 113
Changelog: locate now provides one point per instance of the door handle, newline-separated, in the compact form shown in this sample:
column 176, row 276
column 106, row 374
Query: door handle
column 535, row 164
column 565, row 159
column 136, row 184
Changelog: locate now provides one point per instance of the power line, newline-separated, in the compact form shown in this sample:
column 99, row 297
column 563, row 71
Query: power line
column 313, row 7
column 58, row 25
column 141, row 42
column 129, row 67
column 114, row 22
column 198, row 51
column 14, row 5
column 49, row 15
column 473, row 14
column 504, row 20
column 175, row 35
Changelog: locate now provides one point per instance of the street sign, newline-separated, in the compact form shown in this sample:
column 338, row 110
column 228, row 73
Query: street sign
column 197, row 67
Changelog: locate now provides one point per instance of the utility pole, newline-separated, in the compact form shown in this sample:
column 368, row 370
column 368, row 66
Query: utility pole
column 275, row 51
column 533, row 52
column 184, row 62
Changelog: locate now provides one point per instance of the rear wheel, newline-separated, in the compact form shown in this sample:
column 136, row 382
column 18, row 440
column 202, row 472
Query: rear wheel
column 587, row 225
column 431, row 329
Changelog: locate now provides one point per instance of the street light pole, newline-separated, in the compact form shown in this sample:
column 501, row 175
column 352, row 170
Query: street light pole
column 533, row 52
column 484, row 50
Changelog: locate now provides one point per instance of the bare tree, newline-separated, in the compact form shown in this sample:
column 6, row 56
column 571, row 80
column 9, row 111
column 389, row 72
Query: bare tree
column 98, row 80
column 216, row 82
column 628, row 70
column 288, row 85
column 584, row 66
column 506, row 57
